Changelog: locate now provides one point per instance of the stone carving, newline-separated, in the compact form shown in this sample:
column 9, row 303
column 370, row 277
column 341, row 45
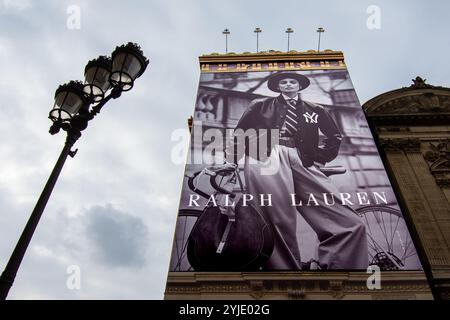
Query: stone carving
column 419, row 83
column 439, row 161
column 400, row 144
column 419, row 98
column 257, row 289
column 428, row 102
column 298, row 294
column 337, row 289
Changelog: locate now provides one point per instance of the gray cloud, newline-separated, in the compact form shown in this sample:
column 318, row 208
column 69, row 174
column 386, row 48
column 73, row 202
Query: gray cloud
column 15, row 4
column 119, row 239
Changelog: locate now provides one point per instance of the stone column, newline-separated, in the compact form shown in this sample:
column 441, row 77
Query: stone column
column 426, row 203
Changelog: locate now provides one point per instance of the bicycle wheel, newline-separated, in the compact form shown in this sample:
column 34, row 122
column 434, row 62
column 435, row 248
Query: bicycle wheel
column 185, row 221
column 389, row 242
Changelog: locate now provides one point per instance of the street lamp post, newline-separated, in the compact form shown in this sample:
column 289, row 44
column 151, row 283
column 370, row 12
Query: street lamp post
column 257, row 31
column 319, row 31
column 226, row 32
column 75, row 105
column 289, row 31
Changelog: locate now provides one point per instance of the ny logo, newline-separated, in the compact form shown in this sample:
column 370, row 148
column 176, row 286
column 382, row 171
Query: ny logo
column 310, row 118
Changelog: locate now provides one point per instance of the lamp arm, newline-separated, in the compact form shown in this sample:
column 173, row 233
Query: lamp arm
column 114, row 94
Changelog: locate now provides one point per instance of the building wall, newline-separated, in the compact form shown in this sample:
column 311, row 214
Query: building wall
column 410, row 285
column 412, row 130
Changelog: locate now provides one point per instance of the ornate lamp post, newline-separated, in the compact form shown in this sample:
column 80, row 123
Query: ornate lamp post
column 75, row 105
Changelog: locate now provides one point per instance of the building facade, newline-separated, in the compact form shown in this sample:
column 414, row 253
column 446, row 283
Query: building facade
column 412, row 125
column 224, row 93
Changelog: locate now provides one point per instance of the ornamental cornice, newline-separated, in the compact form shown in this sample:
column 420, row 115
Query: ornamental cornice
column 419, row 99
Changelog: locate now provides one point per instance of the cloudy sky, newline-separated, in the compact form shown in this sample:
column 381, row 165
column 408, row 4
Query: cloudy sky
column 112, row 213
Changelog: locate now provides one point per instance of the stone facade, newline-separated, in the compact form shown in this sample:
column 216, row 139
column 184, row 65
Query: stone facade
column 295, row 286
column 412, row 128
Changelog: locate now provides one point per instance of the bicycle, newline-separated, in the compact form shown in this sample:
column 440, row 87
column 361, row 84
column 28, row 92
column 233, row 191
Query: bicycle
column 388, row 248
column 389, row 242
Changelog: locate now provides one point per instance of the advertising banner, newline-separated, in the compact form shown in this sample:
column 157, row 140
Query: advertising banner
column 283, row 174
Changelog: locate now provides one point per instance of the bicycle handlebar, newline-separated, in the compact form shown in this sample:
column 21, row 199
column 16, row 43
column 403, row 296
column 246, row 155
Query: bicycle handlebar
column 213, row 173
column 193, row 188
column 213, row 181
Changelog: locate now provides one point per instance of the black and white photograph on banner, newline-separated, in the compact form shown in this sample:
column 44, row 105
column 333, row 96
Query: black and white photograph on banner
column 283, row 174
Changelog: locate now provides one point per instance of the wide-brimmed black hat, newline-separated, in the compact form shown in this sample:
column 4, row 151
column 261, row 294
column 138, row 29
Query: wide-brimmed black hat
column 274, row 79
